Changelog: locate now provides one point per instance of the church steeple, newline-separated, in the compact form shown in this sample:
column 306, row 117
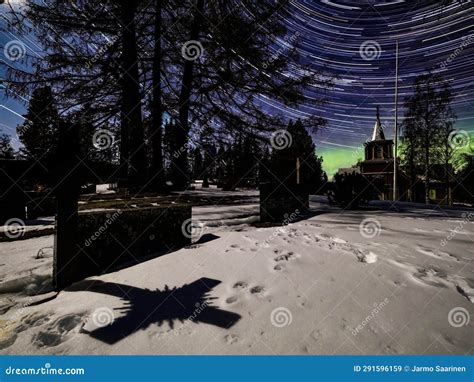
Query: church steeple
column 378, row 134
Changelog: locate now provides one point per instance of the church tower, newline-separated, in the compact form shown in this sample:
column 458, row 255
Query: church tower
column 379, row 157
column 379, row 148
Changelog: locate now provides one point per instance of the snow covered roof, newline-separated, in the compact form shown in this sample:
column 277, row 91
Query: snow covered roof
column 348, row 170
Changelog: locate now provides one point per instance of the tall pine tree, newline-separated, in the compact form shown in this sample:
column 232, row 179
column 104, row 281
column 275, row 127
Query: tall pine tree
column 39, row 133
column 428, row 124
column 284, row 161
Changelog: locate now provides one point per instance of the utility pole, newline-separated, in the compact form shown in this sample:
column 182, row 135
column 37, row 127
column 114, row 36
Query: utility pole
column 395, row 148
column 298, row 166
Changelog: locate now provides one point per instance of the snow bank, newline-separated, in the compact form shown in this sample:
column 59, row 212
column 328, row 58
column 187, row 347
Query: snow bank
column 322, row 285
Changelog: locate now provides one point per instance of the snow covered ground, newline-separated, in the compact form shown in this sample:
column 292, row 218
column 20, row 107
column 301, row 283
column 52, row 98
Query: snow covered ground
column 371, row 281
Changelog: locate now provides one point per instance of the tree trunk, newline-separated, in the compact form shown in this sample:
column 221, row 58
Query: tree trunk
column 446, row 178
column 448, row 155
column 412, row 176
column 156, row 175
column 180, row 171
column 133, row 150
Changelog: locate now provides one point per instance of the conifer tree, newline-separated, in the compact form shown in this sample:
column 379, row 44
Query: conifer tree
column 300, row 146
column 39, row 133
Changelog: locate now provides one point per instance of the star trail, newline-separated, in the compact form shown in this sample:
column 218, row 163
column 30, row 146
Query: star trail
column 355, row 41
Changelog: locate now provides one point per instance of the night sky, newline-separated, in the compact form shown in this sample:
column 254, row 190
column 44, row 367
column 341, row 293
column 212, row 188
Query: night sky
column 356, row 41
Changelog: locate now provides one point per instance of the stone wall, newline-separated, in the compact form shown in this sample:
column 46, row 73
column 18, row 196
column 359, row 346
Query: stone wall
column 39, row 204
column 12, row 206
column 112, row 239
column 278, row 202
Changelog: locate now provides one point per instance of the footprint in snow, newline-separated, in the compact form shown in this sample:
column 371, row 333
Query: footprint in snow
column 436, row 254
column 34, row 320
column 284, row 257
column 232, row 247
column 431, row 277
column 231, row 339
column 58, row 331
column 257, row 290
column 231, row 299
column 240, row 285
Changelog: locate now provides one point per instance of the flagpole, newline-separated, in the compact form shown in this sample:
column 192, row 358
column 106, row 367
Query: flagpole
column 395, row 183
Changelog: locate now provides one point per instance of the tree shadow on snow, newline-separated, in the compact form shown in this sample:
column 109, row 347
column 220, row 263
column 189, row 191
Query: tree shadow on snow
column 206, row 238
column 185, row 305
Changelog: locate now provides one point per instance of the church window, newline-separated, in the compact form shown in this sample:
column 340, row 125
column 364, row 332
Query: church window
column 378, row 152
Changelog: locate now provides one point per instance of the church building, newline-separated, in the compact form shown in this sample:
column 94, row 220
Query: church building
column 378, row 160
column 378, row 163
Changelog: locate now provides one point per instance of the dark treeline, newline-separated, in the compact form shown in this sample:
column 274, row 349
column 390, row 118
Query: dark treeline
column 432, row 149
column 170, row 90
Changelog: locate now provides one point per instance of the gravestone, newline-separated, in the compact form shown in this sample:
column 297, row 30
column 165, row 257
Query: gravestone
column 66, row 182
column 281, row 201
column 278, row 203
column 90, row 243
column 12, row 197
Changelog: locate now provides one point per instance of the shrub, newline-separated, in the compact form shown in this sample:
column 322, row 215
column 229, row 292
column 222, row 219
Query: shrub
column 352, row 190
